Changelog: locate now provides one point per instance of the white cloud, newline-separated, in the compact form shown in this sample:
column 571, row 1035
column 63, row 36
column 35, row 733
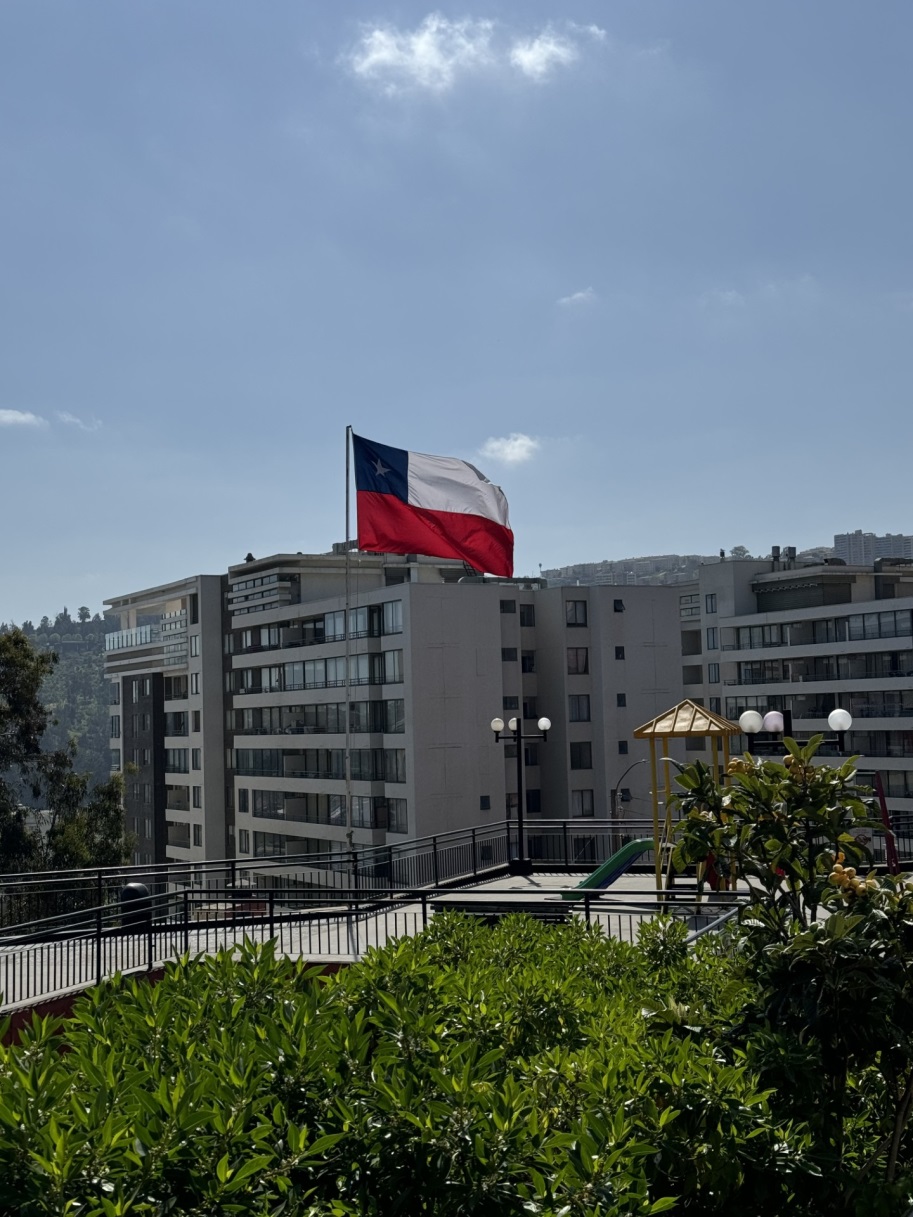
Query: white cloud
column 438, row 52
column 800, row 292
column 511, row 449
column 21, row 418
column 536, row 57
column 723, row 298
column 587, row 296
column 429, row 57
column 72, row 421
column 592, row 31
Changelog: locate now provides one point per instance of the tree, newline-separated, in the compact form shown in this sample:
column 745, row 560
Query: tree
column 86, row 825
column 830, row 945
column 739, row 551
column 85, row 613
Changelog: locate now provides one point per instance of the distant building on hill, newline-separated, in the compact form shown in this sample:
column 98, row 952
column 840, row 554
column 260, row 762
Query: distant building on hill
column 653, row 569
column 864, row 548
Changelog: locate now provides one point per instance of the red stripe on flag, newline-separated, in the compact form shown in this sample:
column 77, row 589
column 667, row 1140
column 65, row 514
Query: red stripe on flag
column 387, row 525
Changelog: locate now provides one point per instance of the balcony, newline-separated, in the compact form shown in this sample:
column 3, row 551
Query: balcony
column 139, row 636
column 178, row 835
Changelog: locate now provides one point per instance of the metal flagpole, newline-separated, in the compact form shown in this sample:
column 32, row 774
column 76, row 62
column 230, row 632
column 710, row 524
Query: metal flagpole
column 348, row 757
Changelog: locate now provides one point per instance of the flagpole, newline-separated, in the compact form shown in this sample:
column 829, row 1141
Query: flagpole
column 348, row 596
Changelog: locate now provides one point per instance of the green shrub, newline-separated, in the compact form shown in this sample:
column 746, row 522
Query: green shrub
column 524, row 1069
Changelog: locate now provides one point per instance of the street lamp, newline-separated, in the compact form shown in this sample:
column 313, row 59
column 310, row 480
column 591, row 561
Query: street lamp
column 520, row 865
column 613, row 799
column 779, row 722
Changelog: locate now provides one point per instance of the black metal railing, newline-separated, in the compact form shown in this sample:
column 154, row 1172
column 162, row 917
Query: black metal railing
column 64, row 954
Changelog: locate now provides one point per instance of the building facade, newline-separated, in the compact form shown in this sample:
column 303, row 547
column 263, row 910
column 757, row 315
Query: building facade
column 865, row 548
column 238, row 698
column 780, row 635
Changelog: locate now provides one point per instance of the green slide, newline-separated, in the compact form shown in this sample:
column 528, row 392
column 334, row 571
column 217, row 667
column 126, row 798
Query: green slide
column 606, row 874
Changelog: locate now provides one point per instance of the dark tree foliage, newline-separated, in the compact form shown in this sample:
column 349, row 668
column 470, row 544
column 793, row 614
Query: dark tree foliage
column 81, row 823
column 74, row 689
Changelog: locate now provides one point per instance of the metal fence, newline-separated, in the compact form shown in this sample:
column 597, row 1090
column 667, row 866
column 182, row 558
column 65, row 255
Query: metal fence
column 68, row 953
column 451, row 857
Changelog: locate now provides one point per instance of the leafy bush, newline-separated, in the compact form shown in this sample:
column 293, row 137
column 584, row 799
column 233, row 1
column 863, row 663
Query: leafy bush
column 525, row 1069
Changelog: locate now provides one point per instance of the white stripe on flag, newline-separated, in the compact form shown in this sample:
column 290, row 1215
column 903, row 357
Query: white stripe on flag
column 443, row 483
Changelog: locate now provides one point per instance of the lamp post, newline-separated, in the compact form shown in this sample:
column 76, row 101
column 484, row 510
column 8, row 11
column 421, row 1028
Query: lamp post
column 520, row 865
column 613, row 799
column 780, row 722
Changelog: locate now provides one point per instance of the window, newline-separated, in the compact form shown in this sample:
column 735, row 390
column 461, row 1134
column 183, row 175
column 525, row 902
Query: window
column 393, row 617
column 115, row 726
column 582, row 755
column 194, row 682
column 582, row 803
column 619, row 652
column 530, row 707
column 618, row 606
column 397, row 818
column 198, row 796
column 194, row 644
column 115, row 760
column 528, row 661
column 508, row 606
column 533, row 802
column 575, row 612
column 710, row 602
column 511, row 703
column 196, row 720
column 527, row 614
column 244, row 800
column 531, row 754
column 622, row 747
column 712, row 638
column 198, row 834
column 484, row 802
column 578, row 661
column 621, row 700
column 508, row 654
column 393, row 667
column 578, row 708
column 113, row 693
column 196, row 761
column 625, row 794
column 176, row 760
column 713, row 673
column 715, row 705
column 244, row 841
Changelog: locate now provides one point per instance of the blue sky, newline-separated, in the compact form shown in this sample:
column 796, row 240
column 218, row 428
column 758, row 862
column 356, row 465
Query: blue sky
column 663, row 245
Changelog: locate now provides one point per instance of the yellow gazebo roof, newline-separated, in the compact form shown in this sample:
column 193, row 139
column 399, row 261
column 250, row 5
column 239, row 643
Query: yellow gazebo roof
column 685, row 720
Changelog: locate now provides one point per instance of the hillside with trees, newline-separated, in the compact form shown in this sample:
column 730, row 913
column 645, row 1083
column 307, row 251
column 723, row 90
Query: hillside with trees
column 53, row 814
column 73, row 691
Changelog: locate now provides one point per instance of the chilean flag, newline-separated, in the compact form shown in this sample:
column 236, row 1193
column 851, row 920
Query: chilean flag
column 410, row 503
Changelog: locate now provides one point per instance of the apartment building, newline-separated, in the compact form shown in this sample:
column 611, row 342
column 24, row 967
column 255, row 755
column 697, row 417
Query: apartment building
column 780, row 635
column 864, row 548
column 164, row 669
column 238, row 697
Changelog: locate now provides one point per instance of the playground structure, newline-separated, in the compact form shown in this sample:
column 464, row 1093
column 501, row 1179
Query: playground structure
column 613, row 868
column 687, row 720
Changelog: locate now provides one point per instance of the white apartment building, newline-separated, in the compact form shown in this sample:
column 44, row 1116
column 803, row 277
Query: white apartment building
column 779, row 635
column 237, row 697
column 865, row 548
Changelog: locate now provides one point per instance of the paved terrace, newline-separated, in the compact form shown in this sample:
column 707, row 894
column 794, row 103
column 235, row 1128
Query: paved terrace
column 341, row 932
